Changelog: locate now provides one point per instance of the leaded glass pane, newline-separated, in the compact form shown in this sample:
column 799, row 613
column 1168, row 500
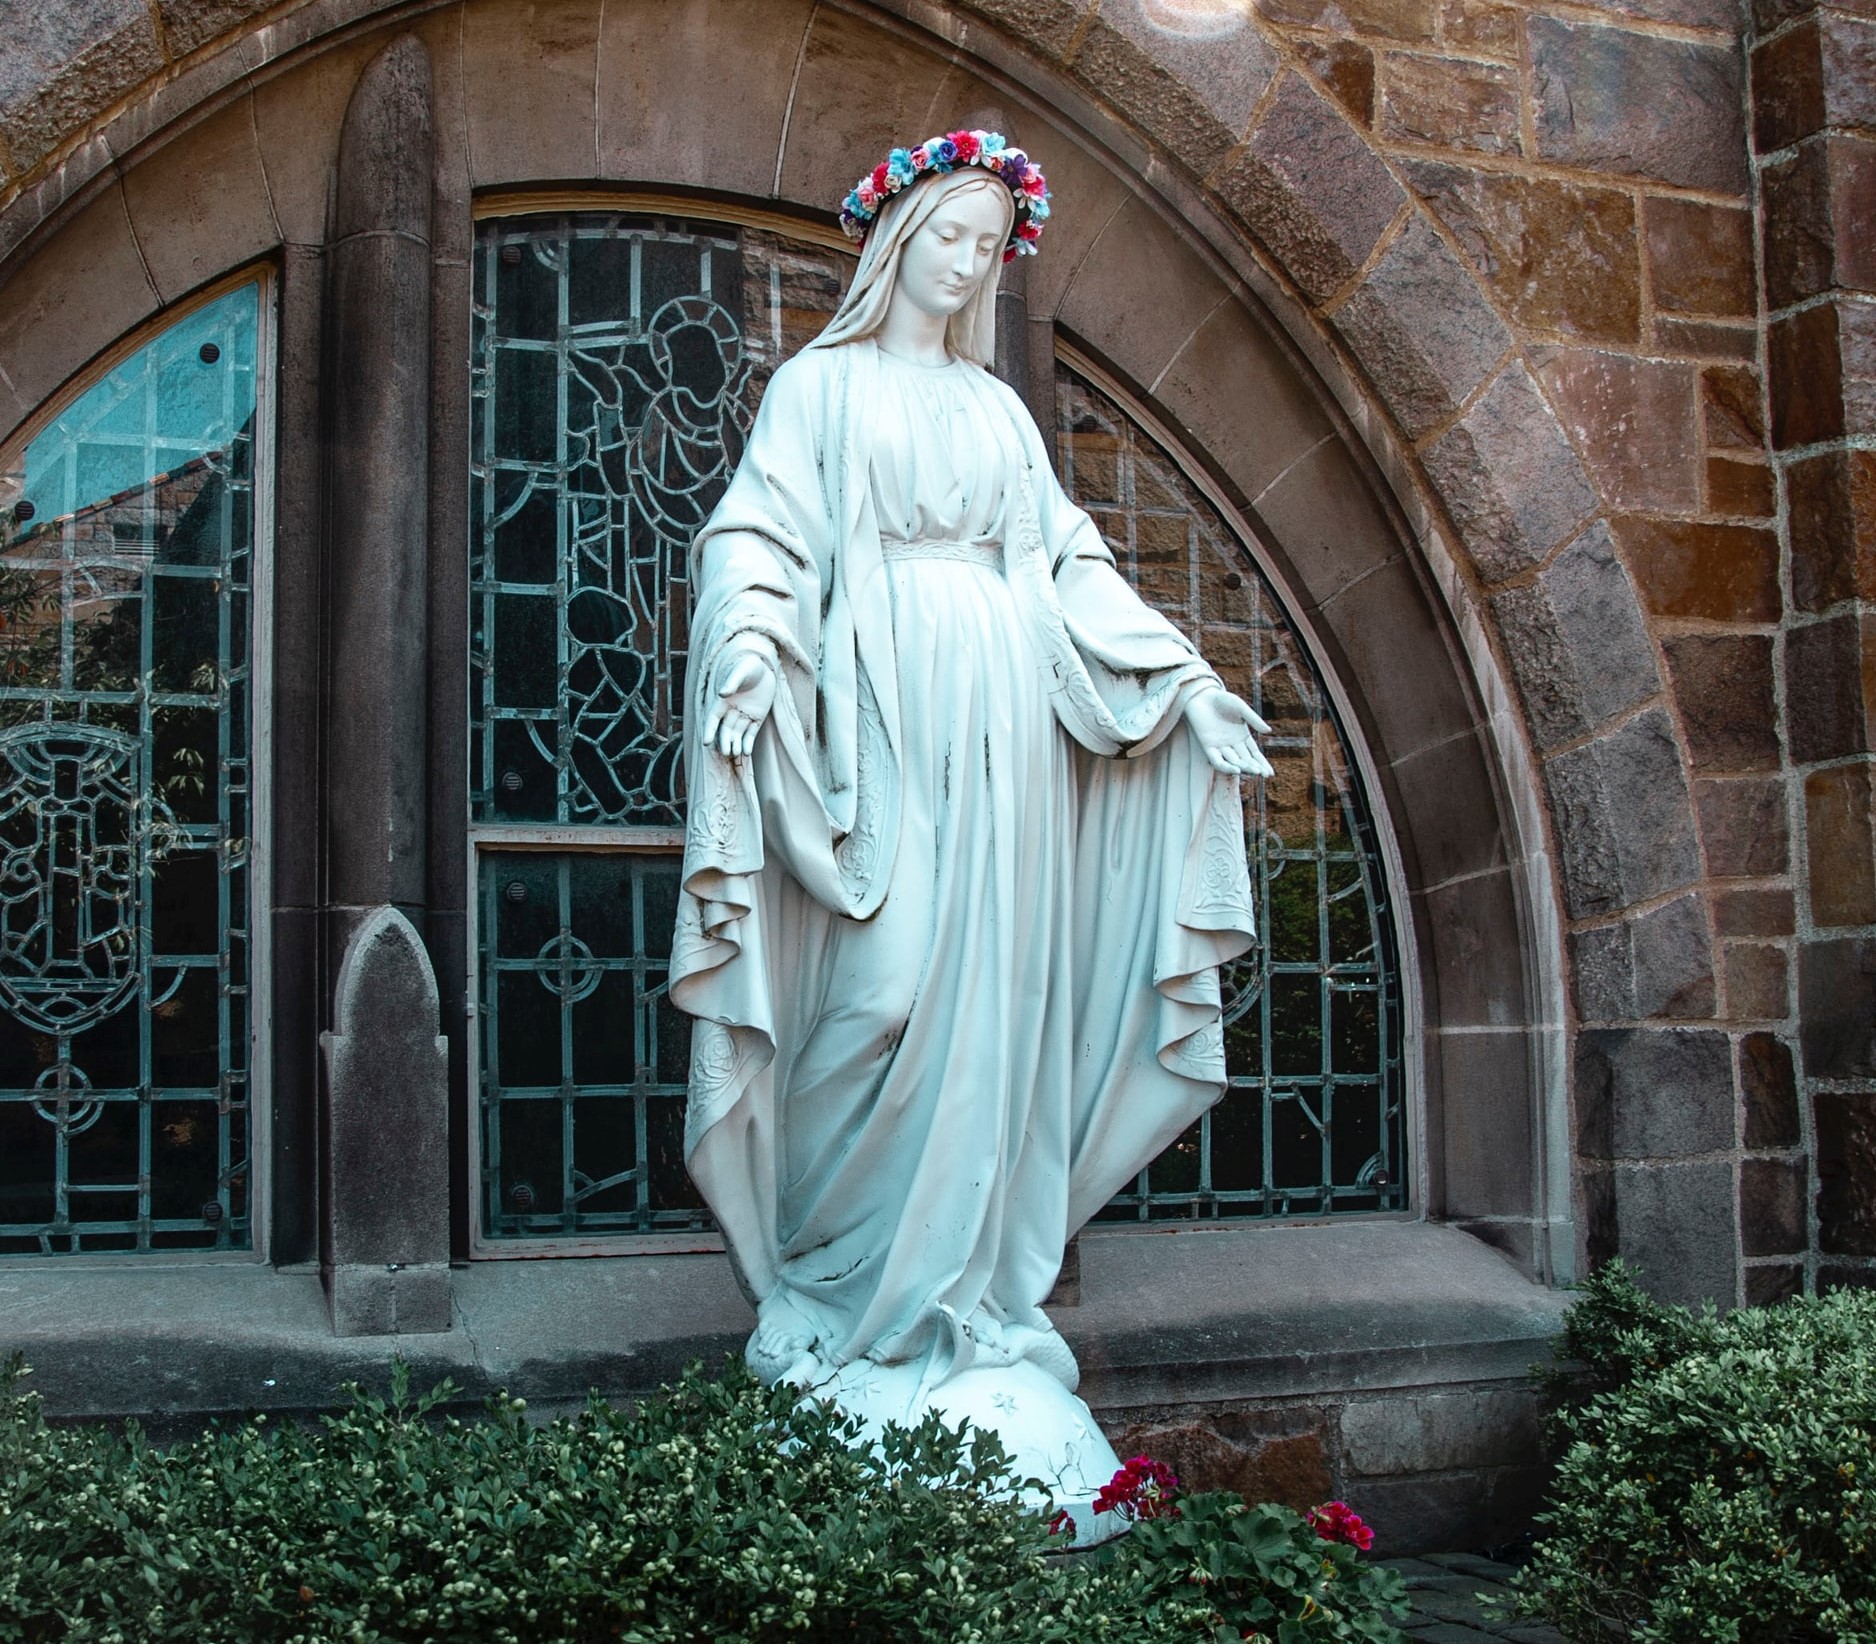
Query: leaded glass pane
column 126, row 574
column 1311, row 1121
column 617, row 364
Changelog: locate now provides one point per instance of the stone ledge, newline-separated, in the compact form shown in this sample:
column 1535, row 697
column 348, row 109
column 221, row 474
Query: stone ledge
column 1188, row 1317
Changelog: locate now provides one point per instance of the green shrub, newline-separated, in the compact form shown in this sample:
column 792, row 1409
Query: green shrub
column 1714, row 1475
column 723, row 1512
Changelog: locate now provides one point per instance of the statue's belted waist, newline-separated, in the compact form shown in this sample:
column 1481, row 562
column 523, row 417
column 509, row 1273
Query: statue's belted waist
column 988, row 554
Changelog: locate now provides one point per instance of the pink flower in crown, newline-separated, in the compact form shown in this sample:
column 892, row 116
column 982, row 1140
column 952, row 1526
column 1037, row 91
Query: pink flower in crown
column 1337, row 1521
column 1033, row 185
column 869, row 196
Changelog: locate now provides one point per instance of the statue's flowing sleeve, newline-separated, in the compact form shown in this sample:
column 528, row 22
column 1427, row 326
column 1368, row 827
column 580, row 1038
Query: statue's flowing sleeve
column 1162, row 884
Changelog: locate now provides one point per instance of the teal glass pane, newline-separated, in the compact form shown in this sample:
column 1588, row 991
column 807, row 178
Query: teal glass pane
column 1312, row 1121
column 126, row 578
column 584, row 1058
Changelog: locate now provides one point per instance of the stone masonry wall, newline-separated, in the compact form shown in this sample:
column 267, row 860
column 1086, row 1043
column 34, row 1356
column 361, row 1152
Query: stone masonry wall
column 1535, row 230
column 1814, row 106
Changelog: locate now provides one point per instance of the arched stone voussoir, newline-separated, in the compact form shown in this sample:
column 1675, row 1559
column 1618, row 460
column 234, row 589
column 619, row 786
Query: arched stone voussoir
column 1192, row 93
column 1310, row 190
column 1422, row 330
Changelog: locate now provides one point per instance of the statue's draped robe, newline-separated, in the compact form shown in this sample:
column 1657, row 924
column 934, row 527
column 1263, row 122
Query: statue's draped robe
column 951, row 931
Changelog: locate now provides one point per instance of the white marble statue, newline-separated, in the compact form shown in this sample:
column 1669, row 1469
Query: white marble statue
column 965, row 850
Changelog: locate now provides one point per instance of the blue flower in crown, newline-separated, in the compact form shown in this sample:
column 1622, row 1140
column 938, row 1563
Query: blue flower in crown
column 942, row 155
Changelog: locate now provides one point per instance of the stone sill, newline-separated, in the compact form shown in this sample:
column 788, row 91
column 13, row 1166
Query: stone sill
column 1186, row 1317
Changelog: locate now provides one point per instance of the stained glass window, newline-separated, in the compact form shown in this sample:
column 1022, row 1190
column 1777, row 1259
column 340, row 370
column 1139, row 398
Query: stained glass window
column 126, row 581
column 617, row 365
column 1311, row 1121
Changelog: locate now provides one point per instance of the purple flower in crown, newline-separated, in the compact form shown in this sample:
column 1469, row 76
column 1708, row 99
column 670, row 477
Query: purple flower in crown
column 1029, row 189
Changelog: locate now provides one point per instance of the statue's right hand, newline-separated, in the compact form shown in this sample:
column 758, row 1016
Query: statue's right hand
column 743, row 693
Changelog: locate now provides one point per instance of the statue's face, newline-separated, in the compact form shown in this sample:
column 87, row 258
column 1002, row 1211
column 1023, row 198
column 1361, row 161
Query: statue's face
column 951, row 252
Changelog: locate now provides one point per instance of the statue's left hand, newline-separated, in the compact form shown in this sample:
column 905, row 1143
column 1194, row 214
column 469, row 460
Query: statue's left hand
column 1223, row 724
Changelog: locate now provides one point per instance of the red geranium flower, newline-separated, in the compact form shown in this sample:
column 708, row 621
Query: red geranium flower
column 1143, row 1488
column 1337, row 1521
column 880, row 174
column 966, row 146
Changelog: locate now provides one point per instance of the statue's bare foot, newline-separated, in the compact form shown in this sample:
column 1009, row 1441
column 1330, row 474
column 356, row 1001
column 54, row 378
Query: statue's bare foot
column 782, row 1339
column 1043, row 1346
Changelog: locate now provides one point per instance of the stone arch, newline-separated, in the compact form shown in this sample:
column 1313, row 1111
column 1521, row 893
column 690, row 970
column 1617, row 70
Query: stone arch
column 1362, row 400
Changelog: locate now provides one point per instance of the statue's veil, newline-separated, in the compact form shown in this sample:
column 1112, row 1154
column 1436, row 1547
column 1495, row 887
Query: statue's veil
column 972, row 331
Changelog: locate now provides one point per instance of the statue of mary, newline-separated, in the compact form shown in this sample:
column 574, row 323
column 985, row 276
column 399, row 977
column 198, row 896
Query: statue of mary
column 965, row 849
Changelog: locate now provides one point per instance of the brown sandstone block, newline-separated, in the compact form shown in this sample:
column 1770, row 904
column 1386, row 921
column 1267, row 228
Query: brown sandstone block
column 1695, row 569
column 1688, row 129
column 1310, row 188
column 1391, row 19
column 1740, row 490
column 1772, row 1219
column 1195, row 96
column 1731, row 404
column 1768, row 1083
column 1560, row 256
column 1820, row 219
column 1048, row 25
column 1706, row 339
column 1856, row 364
column 1743, row 827
column 1840, row 836
column 1754, row 910
column 1576, row 641
column 1624, row 817
column 1820, row 74
column 1833, row 528
column 1724, row 688
column 1634, row 422
column 1484, row 26
column 1768, row 1285
column 1830, row 688
column 1787, row 88
column 1450, row 103
column 1657, row 965
column 1699, row 256
column 1346, row 68
column 1805, row 375
column 1758, row 983
column 1846, row 1172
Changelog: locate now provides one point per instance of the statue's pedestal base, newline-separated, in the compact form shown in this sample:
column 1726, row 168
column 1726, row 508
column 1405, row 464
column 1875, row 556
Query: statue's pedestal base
column 1049, row 1433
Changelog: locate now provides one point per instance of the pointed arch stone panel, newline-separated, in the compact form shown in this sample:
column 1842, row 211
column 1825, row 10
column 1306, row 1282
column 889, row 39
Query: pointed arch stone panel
column 1231, row 383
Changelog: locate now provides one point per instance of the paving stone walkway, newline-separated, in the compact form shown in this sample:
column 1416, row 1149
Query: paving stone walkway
column 1446, row 1588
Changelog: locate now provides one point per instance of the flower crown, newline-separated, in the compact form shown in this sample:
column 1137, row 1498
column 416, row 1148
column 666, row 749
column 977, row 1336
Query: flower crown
column 904, row 166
